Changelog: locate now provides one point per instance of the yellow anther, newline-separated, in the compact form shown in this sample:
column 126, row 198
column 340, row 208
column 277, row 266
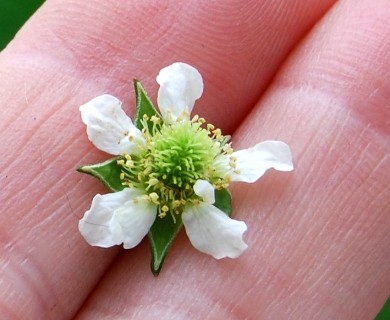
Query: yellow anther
column 217, row 132
column 210, row 127
column 162, row 215
column 147, row 171
column 120, row 162
column 227, row 148
column 130, row 163
column 154, row 197
column 122, row 176
column 155, row 120
column 176, row 203
column 195, row 118
column 153, row 182
column 145, row 117
column 229, row 151
column 233, row 162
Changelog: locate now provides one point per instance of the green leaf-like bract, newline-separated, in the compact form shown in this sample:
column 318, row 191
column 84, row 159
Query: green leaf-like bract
column 163, row 231
column 223, row 201
column 161, row 235
column 143, row 106
column 107, row 172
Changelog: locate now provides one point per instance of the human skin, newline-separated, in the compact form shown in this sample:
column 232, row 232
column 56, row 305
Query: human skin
column 311, row 73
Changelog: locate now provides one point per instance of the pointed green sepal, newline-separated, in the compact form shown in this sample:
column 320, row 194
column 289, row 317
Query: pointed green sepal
column 223, row 201
column 143, row 105
column 107, row 172
column 161, row 235
column 164, row 231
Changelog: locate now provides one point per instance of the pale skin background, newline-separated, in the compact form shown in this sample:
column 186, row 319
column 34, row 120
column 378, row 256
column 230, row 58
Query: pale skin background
column 312, row 73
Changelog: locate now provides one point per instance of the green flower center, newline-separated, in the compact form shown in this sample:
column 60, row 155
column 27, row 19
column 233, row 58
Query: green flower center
column 181, row 154
column 173, row 158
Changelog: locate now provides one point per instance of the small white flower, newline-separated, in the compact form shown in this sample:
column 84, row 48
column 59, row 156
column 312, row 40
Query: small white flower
column 175, row 170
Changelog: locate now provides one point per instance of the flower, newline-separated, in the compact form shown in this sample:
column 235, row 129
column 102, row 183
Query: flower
column 171, row 167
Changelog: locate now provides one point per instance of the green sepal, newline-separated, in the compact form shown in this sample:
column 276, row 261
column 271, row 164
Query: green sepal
column 161, row 235
column 107, row 172
column 143, row 105
column 223, row 201
column 164, row 231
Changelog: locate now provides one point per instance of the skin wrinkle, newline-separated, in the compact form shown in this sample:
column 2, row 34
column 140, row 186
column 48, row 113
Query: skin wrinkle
column 302, row 152
column 7, row 312
column 359, row 61
column 37, row 133
column 25, row 271
column 364, row 132
column 192, row 305
column 126, row 54
column 42, row 173
column 30, row 221
column 284, row 280
column 334, row 184
column 24, row 124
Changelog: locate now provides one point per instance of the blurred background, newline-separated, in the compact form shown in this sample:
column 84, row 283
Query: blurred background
column 14, row 13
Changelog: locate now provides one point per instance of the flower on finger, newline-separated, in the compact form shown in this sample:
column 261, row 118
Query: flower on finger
column 170, row 169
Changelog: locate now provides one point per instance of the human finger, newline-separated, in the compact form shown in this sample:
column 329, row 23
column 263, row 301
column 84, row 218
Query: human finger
column 318, row 237
column 71, row 52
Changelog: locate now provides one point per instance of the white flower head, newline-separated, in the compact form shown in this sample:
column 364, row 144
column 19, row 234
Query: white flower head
column 172, row 166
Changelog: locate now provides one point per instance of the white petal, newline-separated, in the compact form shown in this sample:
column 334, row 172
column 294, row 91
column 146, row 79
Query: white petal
column 252, row 163
column 95, row 225
column 132, row 221
column 180, row 86
column 108, row 126
column 211, row 231
column 204, row 189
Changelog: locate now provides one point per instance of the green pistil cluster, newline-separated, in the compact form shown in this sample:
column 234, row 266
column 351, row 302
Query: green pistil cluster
column 173, row 158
